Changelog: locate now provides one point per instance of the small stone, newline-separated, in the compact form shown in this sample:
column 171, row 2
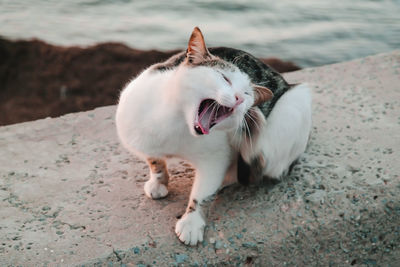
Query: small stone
column 136, row 250
column 317, row 197
column 180, row 258
column 343, row 248
column 249, row 245
column 218, row 245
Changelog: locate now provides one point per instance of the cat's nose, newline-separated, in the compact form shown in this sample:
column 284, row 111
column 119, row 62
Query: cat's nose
column 239, row 100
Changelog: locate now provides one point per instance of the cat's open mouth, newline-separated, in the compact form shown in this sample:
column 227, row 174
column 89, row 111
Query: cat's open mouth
column 210, row 113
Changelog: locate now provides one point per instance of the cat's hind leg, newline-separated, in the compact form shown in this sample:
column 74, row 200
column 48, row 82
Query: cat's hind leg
column 156, row 186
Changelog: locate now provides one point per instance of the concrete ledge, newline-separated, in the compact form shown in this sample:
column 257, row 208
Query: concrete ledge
column 70, row 195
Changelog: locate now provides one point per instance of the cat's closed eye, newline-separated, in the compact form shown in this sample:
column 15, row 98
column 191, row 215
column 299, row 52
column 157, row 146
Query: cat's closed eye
column 226, row 79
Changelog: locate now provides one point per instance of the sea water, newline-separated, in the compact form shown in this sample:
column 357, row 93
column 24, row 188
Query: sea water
column 308, row 32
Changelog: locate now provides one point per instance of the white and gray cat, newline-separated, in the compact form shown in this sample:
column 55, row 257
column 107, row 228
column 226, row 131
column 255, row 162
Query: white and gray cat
column 222, row 110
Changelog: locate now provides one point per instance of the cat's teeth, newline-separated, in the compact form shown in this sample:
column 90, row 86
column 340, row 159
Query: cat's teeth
column 198, row 129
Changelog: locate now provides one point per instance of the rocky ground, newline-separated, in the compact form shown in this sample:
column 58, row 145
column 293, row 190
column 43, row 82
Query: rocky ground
column 71, row 195
column 39, row 80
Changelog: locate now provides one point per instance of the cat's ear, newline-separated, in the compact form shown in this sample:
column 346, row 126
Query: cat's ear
column 197, row 50
column 261, row 94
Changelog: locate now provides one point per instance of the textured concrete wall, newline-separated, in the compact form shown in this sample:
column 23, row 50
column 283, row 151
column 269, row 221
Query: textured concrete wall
column 70, row 195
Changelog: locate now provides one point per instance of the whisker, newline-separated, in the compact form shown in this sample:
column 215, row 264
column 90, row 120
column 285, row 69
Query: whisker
column 262, row 83
column 216, row 113
column 237, row 58
column 251, row 117
column 237, row 140
column 248, row 130
column 234, row 60
column 206, row 109
column 210, row 106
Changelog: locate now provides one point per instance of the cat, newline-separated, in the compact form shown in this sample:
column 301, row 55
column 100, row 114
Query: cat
column 221, row 109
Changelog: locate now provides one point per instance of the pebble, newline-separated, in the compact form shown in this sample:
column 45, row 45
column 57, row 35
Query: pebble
column 317, row 197
column 218, row 244
column 136, row 250
column 249, row 245
column 180, row 258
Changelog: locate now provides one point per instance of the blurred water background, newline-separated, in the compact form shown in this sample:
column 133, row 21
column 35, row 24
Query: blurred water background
column 308, row 32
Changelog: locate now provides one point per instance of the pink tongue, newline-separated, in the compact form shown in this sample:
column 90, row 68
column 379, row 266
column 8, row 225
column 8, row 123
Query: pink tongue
column 205, row 118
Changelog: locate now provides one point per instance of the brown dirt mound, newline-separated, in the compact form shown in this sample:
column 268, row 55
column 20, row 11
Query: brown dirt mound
column 38, row 80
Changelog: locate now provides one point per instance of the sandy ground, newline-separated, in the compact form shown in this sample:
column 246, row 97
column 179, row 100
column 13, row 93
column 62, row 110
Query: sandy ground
column 70, row 195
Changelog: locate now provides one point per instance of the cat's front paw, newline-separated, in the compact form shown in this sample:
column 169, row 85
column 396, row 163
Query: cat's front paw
column 154, row 189
column 190, row 228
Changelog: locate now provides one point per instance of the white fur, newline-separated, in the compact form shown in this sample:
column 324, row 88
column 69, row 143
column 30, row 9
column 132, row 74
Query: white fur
column 190, row 228
column 156, row 112
column 155, row 118
column 154, row 189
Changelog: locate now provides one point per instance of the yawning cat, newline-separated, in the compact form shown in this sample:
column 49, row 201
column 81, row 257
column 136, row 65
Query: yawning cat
column 218, row 108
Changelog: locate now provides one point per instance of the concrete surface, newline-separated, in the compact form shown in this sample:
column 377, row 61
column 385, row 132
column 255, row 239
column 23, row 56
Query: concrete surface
column 70, row 195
